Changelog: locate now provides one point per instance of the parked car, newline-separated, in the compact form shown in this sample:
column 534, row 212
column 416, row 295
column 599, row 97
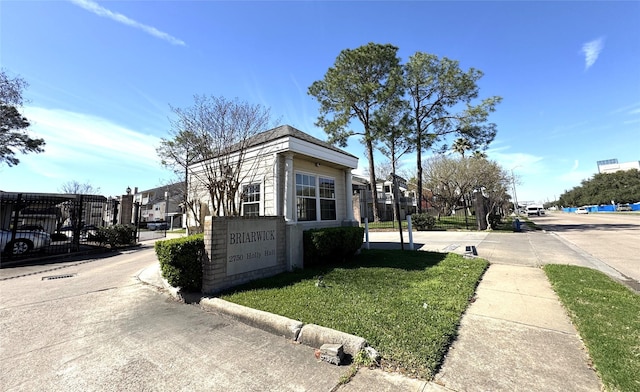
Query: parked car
column 624, row 207
column 86, row 232
column 581, row 210
column 157, row 225
column 25, row 241
column 535, row 210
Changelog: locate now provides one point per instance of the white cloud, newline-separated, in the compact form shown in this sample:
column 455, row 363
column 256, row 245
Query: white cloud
column 591, row 51
column 576, row 164
column 633, row 108
column 519, row 162
column 74, row 137
column 86, row 148
column 97, row 9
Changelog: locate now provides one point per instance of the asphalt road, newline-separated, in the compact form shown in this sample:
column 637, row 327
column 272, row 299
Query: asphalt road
column 93, row 326
column 613, row 238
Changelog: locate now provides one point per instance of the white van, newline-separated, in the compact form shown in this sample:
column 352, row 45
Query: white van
column 535, row 210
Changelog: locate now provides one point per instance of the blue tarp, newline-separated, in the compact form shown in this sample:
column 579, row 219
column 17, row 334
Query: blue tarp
column 603, row 208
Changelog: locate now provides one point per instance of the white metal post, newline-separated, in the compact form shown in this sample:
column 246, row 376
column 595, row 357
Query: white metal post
column 410, row 232
column 366, row 233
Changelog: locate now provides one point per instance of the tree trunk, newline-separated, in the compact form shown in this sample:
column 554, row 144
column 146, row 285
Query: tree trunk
column 419, row 158
column 480, row 211
column 372, row 180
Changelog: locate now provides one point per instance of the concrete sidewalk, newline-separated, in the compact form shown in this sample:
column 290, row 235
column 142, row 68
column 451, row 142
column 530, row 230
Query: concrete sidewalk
column 514, row 336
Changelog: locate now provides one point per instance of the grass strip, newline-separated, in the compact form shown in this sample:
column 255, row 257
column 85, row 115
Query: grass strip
column 607, row 316
column 406, row 304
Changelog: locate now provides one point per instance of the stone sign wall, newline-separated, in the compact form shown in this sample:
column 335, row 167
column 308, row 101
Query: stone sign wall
column 240, row 249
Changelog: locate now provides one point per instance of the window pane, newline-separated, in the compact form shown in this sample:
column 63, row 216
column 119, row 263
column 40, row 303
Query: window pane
column 251, row 199
column 252, row 209
column 327, row 209
column 306, row 209
column 327, row 188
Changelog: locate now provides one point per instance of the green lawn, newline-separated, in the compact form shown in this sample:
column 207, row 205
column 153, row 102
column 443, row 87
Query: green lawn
column 607, row 316
column 406, row 304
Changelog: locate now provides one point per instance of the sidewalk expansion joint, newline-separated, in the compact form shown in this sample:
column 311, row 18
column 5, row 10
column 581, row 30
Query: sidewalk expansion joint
column 524, row 324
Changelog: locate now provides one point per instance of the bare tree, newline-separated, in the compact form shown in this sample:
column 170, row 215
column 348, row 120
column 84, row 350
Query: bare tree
column 464, row 179
column 490, row 183
column 209, row 143
column 78, row 188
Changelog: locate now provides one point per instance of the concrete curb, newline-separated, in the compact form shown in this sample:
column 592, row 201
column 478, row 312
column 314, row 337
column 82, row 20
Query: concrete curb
column 266, row 321
column 308, row 334
column 315, row 336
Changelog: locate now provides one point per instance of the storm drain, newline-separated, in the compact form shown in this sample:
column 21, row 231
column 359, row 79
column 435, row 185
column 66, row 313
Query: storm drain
column 54, row 277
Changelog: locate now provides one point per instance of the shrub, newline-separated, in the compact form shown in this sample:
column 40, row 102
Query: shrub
column 422, row 222
column 322, row 246
column 181, row 261
column 115, row 235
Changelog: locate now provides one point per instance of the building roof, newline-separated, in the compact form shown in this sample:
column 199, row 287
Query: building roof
column 284, row 132
column 289, row 131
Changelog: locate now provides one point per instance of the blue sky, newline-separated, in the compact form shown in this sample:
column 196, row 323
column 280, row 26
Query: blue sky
column 102, row 75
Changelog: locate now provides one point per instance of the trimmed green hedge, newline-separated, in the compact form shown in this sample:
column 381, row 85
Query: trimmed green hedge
column 332, row 244
column 423, row 222
column 181, row 261
column 114, row 235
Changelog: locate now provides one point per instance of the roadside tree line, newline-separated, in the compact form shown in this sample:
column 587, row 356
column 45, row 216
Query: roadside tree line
column 604, row 188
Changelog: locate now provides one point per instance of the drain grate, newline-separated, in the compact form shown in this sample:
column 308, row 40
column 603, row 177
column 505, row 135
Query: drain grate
column 54, row 277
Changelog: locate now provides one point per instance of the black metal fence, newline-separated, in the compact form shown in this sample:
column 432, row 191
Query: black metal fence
column 458, row 221
column 36, row 223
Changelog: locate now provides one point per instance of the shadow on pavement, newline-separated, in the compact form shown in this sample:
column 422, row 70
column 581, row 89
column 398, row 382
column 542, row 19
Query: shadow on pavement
column 393, row 245
column 583, row 227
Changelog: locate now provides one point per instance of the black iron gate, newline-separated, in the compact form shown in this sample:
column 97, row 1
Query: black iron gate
column 49, row 223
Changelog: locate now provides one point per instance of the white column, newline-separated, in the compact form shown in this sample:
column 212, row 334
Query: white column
column 349, row 194
column 289, row 189
column 276, row 185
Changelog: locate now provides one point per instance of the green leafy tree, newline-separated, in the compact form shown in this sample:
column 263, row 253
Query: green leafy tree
column 391, row 129
column 361, row 82
column 440, row 95
column 604, row 188
column 13, row 125
column 461, row 145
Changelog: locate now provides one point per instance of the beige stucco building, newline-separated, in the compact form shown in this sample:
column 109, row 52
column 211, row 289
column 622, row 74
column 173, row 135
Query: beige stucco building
column 286, row 172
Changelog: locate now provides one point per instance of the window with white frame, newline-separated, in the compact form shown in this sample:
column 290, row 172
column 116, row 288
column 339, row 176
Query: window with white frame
column 313, row 195
column 327, row 192
column 251, row 200
column 306, row 197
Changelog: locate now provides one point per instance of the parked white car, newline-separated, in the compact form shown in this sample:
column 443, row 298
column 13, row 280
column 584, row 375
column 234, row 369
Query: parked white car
column 25, row 241
column 582, row 210
column 535, row 210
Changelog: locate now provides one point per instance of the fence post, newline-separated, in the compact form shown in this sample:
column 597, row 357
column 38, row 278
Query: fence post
column 410, row 232
column 366, row 233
